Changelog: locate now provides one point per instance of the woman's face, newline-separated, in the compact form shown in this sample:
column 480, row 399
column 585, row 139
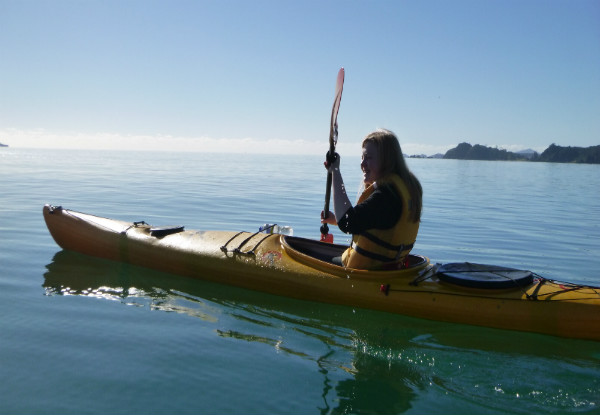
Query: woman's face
column 370, row 163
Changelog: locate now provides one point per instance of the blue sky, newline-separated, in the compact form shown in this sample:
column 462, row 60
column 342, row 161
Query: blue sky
column 260, row 75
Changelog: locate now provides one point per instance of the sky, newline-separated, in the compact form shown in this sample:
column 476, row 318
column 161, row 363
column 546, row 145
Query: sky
column 259, row 76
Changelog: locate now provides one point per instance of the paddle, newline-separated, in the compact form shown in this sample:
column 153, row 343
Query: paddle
column 333, row 136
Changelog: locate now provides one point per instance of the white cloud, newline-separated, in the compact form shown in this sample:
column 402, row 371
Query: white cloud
column 40, row 138
column 112, row 141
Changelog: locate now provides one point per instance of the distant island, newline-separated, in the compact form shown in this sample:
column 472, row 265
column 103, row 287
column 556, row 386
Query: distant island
column 553, row 154
column 3, row 145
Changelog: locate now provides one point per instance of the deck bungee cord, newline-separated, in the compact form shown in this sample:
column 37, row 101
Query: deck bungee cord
column 238, row 250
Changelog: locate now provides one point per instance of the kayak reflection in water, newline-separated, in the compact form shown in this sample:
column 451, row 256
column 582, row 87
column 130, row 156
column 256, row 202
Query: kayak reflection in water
column 385, row 221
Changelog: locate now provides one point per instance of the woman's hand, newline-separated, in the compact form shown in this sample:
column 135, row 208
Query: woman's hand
column 332, row 162
column 330, row 218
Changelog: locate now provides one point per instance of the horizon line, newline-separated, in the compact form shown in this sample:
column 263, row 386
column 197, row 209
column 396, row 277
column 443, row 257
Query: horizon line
column 43, row 139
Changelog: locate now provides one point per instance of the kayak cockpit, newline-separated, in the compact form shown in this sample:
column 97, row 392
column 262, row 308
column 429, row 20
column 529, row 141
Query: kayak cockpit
column 316, row 249
column 317, row 254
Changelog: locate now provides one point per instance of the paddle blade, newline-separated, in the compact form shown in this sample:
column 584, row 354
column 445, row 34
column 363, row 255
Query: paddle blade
column 333, row 131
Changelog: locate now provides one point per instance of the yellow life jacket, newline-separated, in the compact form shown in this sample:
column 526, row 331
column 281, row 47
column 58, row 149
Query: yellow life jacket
column 381, row 248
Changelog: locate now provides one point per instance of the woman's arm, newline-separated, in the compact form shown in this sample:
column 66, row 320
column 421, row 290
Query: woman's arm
column 341, row 202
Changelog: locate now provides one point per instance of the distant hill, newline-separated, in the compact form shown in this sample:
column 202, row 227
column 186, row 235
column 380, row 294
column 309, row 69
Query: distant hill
column 529, row 153
column 3, row 145
column 558, row 154
column 424, row 156
column 553, row 154
column 465, row 151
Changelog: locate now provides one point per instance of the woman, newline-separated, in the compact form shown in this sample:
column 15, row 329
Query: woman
column 385, row 221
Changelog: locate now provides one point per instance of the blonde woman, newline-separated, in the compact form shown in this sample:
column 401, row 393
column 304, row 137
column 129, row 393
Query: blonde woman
column 385, row 221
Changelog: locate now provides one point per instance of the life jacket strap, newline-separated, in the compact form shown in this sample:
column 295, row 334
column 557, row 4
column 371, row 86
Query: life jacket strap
column 386, row 245
column 379, row 257
column 372, row 255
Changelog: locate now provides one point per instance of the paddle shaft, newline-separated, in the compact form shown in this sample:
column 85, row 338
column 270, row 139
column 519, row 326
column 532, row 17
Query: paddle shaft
column 324, row 227
column 329, row 181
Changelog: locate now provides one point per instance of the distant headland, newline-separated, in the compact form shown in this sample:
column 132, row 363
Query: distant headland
column 553, row 154
column 3, row 145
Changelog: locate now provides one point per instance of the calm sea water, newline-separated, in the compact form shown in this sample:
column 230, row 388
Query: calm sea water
column 85, row 336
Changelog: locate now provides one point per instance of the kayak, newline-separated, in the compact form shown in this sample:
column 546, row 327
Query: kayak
column 466, row 293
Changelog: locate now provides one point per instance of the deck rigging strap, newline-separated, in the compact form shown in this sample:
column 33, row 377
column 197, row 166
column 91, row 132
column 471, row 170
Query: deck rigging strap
column 534, row 296
column 425, row 274
column 95, row 222
column 133, row 225
column 238, row 250
column 563, row 285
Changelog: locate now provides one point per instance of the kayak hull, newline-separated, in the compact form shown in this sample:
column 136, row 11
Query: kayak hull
column 299, row 268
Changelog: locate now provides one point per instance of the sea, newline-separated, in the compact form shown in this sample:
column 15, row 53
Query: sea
column 80, row 335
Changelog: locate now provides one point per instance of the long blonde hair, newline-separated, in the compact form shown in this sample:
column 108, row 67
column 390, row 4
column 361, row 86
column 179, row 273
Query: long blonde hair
column 391, row 162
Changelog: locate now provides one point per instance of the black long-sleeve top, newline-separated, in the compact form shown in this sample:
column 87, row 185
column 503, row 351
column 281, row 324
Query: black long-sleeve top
column 381, row 210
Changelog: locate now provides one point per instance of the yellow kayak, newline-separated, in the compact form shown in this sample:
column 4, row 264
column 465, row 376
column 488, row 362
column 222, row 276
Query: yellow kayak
column 483, row 295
